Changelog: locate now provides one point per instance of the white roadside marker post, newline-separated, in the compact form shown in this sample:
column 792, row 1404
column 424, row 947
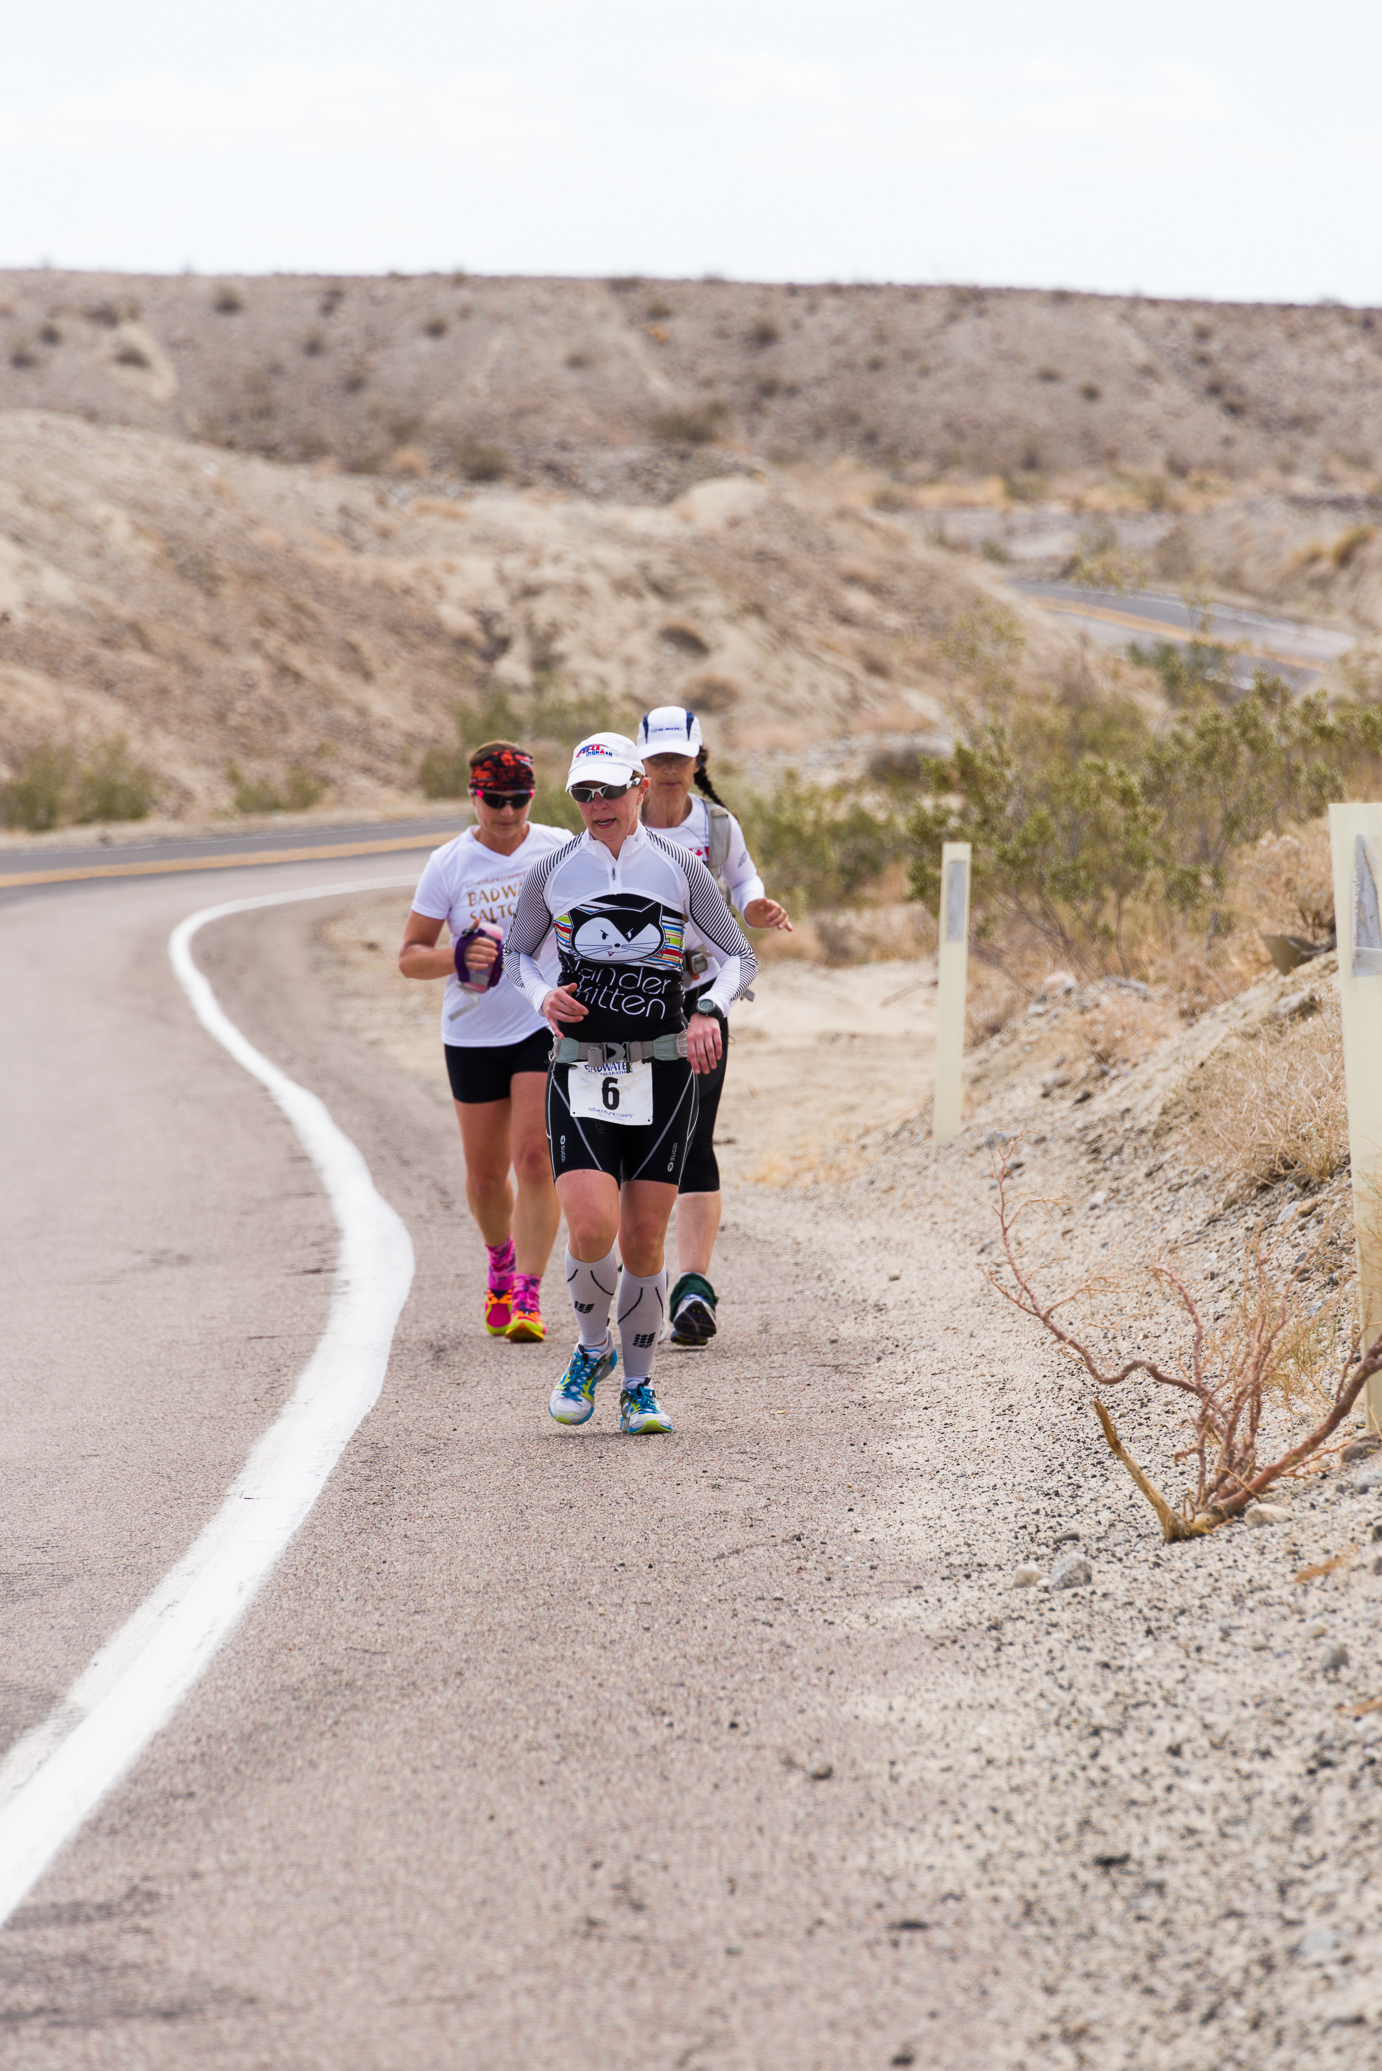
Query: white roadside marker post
column 1355, row 839
column 952, row 971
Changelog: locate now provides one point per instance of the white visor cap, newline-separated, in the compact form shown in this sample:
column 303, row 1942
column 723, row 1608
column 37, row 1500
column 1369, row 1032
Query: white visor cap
column 669, row 730
column 604, row 758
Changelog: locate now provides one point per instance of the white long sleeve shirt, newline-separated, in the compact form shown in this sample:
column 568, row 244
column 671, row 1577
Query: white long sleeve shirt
column 620, row 925
column 741, row 874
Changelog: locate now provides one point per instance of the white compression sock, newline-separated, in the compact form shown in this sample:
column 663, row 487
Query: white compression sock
column 642, row 1306
column 592, row 1291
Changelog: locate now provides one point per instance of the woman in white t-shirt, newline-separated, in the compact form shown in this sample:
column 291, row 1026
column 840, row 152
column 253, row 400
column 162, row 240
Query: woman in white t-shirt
column 496, row 1046
column 669, row 740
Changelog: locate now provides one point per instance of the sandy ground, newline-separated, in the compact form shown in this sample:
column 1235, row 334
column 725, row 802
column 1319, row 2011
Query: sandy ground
column 739, row 1750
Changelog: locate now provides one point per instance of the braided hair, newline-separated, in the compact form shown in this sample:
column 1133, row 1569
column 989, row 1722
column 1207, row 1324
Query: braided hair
column 702, row 780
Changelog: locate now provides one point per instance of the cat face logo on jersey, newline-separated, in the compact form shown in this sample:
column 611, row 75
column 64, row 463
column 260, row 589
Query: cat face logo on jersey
column 622, row 928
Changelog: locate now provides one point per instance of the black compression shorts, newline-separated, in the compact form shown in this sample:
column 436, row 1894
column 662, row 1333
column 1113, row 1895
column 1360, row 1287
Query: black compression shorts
column 653, row 1150
column 701, row 1172
column 483, row 1071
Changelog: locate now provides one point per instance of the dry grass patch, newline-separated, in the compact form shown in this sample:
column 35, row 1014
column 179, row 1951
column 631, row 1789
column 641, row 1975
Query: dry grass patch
column 1273, row 1106
column 1284, row 884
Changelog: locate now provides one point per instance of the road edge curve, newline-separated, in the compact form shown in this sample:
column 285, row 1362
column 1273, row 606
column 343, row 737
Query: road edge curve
column 55, row 1776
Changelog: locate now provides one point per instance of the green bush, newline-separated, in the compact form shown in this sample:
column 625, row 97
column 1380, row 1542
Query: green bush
column 37, row 795
column 445, row 770
column 817, row 846
column 54, row 784
column 696, row 426
column 1077, row 812
column 1188, row 674
column 112, row 786
column 297, row 789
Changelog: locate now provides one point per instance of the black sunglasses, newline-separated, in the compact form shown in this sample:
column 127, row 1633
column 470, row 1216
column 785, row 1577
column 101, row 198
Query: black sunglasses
column 586, row 794
column 499, row 799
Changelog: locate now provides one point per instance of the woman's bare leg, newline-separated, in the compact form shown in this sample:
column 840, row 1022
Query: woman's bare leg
column 537, row 1213
column 485, row 1140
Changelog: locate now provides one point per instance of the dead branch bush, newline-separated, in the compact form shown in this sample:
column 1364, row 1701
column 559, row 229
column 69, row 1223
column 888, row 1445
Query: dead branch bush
column 1272, row 1106
column 1267, row 1346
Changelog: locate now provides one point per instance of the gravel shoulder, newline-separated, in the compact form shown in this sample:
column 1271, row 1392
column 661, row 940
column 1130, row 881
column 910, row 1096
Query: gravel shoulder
column 1162, row 1787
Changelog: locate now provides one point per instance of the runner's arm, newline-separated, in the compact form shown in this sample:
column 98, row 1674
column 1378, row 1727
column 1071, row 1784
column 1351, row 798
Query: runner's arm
column 528, row 930
column 715, row 921
column 741, row 873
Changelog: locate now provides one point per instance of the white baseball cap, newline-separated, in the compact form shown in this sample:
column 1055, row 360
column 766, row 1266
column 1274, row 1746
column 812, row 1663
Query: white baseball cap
column 604, row 758
column 669, row 730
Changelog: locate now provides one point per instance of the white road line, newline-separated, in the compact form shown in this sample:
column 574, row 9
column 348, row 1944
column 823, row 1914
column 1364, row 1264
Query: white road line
column 52, row 1779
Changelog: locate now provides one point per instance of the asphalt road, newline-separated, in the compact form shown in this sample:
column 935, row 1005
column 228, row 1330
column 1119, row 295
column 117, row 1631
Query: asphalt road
column 72, row 862
column 1113, row 618
column 533, row 1749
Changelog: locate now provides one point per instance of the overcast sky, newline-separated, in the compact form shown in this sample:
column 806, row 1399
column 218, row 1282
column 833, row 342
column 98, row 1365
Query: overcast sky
column 1201, row 147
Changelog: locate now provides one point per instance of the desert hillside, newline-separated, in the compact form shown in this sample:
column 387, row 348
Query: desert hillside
column 612, row 388
column 239, row 619
column 274, row 534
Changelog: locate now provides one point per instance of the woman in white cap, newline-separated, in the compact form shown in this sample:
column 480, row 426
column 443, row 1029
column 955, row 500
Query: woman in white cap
column 496, row 1047
column 622, row 1093
column 669, row 740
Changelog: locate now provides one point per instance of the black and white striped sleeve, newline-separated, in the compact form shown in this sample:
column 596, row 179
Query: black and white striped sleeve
column 529, row 929
column 719, row 927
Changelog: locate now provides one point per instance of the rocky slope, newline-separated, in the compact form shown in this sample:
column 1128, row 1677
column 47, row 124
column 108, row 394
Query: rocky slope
column 612, row 387
column 223, row 609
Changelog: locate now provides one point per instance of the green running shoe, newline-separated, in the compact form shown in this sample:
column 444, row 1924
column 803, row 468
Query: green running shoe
column 639, row 1410
column 573, row 1398
column 691, row 1307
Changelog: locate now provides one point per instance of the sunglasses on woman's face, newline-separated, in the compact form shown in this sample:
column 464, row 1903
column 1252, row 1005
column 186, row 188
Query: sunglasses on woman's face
column 499, row 799
column 586, row 794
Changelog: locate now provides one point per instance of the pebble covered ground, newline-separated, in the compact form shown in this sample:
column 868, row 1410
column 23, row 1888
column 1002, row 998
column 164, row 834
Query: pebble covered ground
column 1132, row 1819
column 1166, row 1775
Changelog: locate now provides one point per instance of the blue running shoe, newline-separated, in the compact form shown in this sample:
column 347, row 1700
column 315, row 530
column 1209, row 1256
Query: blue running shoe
column 573, row 1398
column 639, row 1410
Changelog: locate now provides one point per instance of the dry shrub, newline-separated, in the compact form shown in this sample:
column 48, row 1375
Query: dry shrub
column 1272, row 1107
column 1284, row 884
column 1222, row 1376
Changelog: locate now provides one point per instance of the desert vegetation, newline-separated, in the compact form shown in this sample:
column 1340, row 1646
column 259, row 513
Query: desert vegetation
column 54, row 782
column 1263, row 1392
column 1108, row 836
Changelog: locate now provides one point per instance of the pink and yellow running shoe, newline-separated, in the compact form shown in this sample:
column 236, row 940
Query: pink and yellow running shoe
column 526, row 1327
column 498, row 1311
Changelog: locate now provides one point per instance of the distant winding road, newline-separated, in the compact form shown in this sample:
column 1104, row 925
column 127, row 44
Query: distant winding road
column 1113, row 618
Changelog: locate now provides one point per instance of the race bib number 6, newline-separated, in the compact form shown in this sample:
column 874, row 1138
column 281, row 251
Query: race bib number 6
column 607, row 1096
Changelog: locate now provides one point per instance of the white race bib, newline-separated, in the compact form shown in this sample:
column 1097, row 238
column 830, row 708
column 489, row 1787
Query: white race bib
column 621, row 1093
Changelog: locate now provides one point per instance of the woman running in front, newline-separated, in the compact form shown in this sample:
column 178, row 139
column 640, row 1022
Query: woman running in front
column 496, row 1046
column 621, row 1098
column 669, row 740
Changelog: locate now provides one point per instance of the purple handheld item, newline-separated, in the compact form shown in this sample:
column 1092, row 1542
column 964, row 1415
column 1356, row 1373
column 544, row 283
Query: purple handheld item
column 480, row 981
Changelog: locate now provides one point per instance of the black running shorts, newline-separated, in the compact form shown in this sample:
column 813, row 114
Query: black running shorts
column 653, row 1150
column 483, row 1072
column 701, row 1172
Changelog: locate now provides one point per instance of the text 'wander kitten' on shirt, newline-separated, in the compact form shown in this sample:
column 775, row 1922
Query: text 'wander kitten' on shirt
column 620, row 927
